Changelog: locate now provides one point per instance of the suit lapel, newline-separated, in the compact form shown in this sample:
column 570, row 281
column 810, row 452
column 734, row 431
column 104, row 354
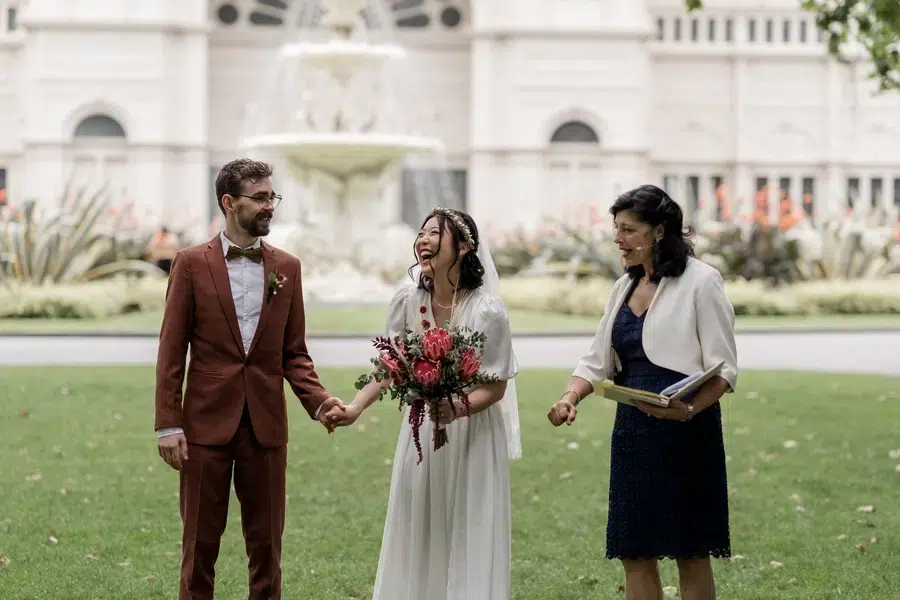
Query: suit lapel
column 215, row 258
column 270, row 265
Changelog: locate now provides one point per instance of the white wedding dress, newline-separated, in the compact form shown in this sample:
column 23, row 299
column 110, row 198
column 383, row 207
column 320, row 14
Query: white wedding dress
column 447, row 531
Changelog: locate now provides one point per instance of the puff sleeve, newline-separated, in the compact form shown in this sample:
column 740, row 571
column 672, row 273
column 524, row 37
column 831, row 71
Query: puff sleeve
column 715, row 328
column 396, row 315
column 592, row 365
column 492, row 319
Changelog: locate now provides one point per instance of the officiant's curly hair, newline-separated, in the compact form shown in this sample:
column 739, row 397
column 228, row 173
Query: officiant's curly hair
column 232, row 176
column 653, row 206
column 471, row 271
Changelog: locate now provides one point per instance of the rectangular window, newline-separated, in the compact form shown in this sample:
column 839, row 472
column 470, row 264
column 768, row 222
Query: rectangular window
column 423, row 189
column 803, row 32
column 660, row 29
column 729, row 30
column 786, row 32
column 877, row 191
column 670, row 185
column 718, row 196
column 712, row 30
column 751, row 30
column 676, row 34
column 12, row 19
column 770, row 30
column 852, row 191
column 897, row 192
column 695, row 30
column 809, row 194
column 693, row 193
column 4, row 197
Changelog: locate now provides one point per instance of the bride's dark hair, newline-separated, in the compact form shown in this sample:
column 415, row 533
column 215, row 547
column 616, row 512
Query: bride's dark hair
column 471, row 271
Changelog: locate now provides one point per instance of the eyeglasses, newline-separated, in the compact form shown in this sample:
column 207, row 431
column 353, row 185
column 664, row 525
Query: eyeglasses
column 275, row 199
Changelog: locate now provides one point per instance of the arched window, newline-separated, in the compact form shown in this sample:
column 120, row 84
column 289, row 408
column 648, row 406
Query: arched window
column 574, row 132
column 99, row 126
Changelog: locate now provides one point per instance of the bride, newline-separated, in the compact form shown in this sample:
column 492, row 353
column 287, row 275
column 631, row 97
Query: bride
column 447, row 532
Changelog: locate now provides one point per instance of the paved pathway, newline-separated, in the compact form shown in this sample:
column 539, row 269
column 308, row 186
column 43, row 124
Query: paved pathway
column 848, row 352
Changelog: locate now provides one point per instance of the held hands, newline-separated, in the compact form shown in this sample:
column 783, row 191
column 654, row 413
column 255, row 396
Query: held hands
column 332, row 413
column 342, row 416
column 563, row 411
column 173, row 449
column 676, row 411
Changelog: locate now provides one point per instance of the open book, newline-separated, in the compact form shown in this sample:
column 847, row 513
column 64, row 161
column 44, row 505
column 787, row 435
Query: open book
column 676, row 391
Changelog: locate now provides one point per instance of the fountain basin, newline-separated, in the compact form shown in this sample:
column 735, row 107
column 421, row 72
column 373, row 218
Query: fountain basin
column 344, row 154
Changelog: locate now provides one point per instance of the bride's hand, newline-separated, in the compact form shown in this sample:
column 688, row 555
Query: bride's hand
column 444, row 414
column 347, row 417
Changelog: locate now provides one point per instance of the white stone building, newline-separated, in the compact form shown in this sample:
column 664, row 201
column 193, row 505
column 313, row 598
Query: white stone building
column 544, row 106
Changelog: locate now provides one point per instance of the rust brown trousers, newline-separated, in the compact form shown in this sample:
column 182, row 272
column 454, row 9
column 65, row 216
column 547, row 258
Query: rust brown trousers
column 233, row 409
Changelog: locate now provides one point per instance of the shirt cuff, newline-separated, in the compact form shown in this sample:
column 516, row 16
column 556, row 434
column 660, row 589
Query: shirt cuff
column 166, row 431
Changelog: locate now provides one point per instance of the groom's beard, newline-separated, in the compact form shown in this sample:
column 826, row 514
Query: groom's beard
column 255, row 226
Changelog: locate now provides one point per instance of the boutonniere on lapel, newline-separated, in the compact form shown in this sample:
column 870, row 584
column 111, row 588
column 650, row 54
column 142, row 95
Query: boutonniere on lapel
column 276, row 282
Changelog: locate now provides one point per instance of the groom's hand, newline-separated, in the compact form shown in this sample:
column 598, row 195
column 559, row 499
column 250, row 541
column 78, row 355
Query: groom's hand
column 173, row 449
column 331, row 413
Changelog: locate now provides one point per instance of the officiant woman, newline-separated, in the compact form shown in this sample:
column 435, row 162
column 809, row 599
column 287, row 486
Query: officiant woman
column 667, row 317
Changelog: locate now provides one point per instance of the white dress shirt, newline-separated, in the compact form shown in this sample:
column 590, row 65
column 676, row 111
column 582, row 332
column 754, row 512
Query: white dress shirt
column 247, row 279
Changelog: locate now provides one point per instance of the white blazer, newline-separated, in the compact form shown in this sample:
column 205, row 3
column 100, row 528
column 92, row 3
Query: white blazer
column 689, row 327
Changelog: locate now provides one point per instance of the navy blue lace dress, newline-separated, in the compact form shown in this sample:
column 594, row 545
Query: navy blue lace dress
column 668, row 495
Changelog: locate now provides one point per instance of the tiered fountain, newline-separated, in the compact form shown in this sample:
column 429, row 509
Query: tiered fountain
column 334, row 117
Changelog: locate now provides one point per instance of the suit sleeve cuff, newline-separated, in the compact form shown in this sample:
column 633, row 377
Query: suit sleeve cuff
column 166, row 431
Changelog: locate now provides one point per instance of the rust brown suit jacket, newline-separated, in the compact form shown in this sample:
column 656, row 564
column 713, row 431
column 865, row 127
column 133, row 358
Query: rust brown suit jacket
column 221, row 378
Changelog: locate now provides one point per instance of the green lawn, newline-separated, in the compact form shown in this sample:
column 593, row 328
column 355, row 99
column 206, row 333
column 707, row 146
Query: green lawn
column 806, row 451
column 369, row 320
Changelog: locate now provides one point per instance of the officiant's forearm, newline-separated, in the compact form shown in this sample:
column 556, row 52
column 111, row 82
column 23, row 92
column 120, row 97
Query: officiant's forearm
column 580, row 387
column 483, row 397
column 709, row 393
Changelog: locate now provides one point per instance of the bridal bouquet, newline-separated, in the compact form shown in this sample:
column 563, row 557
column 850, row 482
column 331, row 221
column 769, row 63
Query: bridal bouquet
column 427, row 369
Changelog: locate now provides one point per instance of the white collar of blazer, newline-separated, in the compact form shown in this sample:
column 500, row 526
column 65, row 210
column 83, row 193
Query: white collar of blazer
column 688, row 327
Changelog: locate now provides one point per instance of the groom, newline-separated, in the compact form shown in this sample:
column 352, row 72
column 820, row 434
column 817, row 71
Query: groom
column 238, row 304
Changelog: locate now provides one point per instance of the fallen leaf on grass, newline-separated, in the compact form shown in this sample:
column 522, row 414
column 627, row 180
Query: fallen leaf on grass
column 866, row 523
column 169, row 554
column 894, row 453
column 4, row 560
column 875, row 540
column 150, row 578
column 565, row 475
column 52, row 540
column 24, row 413
column 790, row 444
column 776, row 565
column 897, row 468
column 33, row 478
column 572, row 445
column 866, row 509
column 796, row 498
column 751, row 471
column 860, row 547
column 843, row 536
column 126, row 563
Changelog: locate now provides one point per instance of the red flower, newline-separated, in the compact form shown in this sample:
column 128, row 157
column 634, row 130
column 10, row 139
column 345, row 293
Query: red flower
column 390, row 363
column 426, row 324
column 469, row 364
column 281, row 279
column 426, row 372
column 422, row 309
column 436, row 344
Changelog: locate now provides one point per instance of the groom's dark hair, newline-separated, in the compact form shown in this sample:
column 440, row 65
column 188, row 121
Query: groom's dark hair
column 233, row 175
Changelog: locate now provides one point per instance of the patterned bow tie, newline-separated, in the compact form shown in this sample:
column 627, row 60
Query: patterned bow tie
column 254, row 254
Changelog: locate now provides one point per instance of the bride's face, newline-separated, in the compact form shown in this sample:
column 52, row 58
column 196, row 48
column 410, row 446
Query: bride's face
column 434, row 249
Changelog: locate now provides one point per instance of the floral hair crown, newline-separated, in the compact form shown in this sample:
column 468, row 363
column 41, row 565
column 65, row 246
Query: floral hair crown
column 458, row 223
